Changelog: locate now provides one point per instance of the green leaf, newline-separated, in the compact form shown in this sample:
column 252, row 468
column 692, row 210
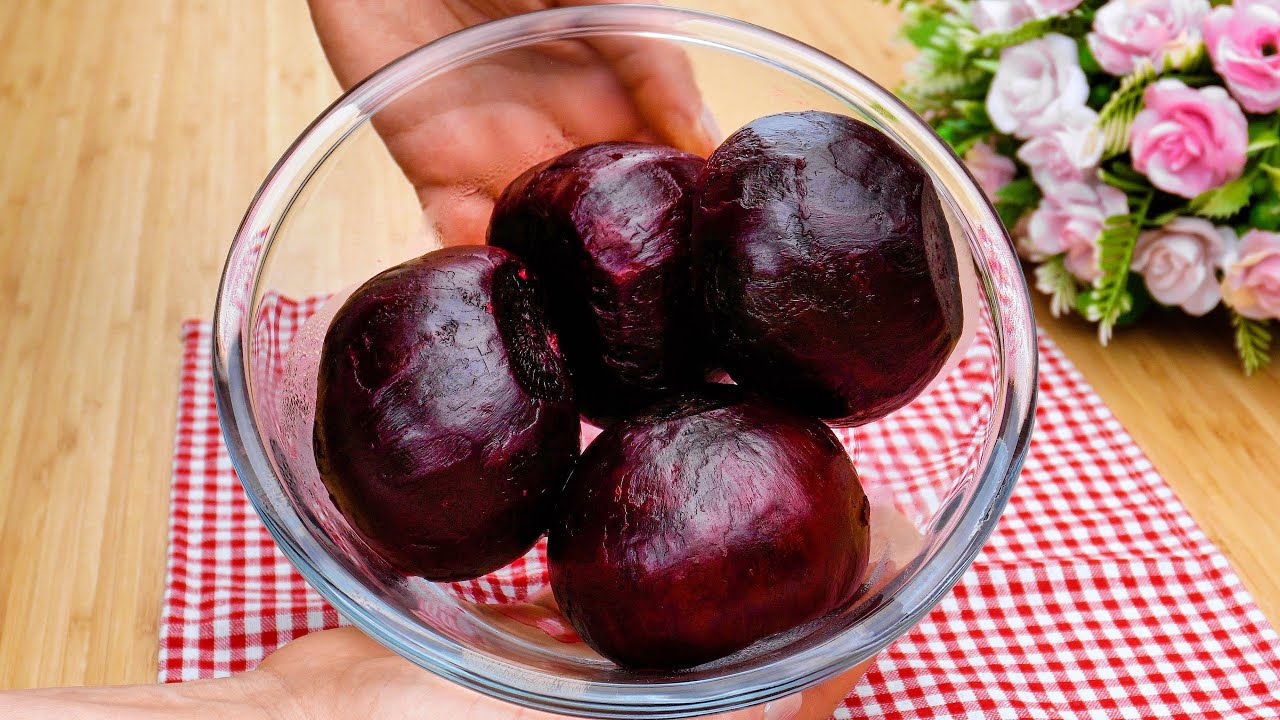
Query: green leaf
column 1053, row 279
column 1141, row 302
column 922, row 27
column 1022, row 191
column 1100, row 93
column 975, row 111
column 1253, row 342
column 1272, row 173
column 1088, row 63
column 1166, row 217
column 1110, row 297
column 1264, row 132
column 990, row 65
column 1194, row 67
column 1016, row 199
column 962, row 133
column 1128, row 184
column 1264, row 213
column 1225, row 201
column 1260, row 144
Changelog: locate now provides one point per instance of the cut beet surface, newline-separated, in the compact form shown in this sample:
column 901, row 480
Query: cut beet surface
column 705, row 524
column 444, row 422
column 827, row 266
column 606, row 229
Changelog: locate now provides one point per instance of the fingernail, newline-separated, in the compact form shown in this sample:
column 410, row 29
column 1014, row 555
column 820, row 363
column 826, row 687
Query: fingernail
column 783, row 708
column 710, row 127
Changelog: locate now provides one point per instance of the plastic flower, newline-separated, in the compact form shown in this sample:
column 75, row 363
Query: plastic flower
column 1186, row 140
column 1004, row 15
column 1244, row 42
column 1127, row 33
column 1252, row 282
column 991, row 169
column 1064, row 152
column 1035, row 84
column 1180, row 262
column 1069, row 220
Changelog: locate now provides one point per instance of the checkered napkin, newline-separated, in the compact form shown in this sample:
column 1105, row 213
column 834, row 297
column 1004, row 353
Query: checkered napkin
column 1097, row 596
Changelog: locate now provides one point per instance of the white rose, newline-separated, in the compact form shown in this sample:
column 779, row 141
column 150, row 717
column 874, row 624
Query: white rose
column 1067, row 151
column 1179, row 262
column 1036, row 83
column 1000, row 15
column 1005, row 15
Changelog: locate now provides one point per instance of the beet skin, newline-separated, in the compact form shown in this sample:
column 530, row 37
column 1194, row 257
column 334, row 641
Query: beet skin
column 827, row 266
column 444, row 424
column 703, row 525
column 606, row 228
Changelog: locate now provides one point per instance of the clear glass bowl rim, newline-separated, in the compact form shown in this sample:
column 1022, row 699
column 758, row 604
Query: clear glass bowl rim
column 1005, row 450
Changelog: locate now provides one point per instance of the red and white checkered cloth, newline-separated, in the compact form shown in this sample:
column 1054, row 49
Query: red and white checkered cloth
column 1097, row 597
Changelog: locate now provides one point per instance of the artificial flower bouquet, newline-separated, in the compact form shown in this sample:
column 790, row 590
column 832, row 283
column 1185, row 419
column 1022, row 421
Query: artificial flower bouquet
column 1131, row 146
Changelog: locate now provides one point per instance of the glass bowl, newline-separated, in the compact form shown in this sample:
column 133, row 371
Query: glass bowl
column 336, row 210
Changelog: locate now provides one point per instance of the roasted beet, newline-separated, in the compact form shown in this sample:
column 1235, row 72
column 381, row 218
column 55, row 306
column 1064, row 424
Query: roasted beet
column 706, row 523
column 444, row 424
column 827, row 266
column 606, row 227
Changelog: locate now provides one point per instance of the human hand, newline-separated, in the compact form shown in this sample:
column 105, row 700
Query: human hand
column 462, row 137
column 342, row 673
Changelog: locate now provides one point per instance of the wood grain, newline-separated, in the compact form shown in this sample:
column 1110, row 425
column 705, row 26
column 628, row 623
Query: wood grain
column 132, row 136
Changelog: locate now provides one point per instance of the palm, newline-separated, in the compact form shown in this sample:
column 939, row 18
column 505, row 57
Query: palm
column 342, row 673
column 462, row 137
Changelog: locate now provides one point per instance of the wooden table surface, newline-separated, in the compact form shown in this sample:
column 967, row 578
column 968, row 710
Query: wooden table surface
column 132, row 136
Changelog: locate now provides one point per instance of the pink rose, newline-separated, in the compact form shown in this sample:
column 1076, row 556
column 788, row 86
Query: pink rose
column 1069, row 220
column 1252, row 283
column 1187, row 141
column 1035, row 84
column 991, row 169
column 1180, row 262
column 1004, row 15
column 1128, row 32
column 1067, row 151
column 1244, row 42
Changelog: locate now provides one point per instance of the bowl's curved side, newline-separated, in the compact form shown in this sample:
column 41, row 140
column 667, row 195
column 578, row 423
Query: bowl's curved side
column 974, row 516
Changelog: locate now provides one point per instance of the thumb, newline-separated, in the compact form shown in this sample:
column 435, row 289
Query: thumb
column 659, row 77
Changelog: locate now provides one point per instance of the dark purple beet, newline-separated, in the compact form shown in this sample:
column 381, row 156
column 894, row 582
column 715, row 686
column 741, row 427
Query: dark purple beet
column 707, row 523
column 444, row 424
column 606, row 228
column 828, row 269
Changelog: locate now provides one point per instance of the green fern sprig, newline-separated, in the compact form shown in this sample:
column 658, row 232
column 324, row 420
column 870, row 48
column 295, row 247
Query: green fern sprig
column 1110, row 297
column 1115, row 119
column 1253, row 342
column 1053, row 279
column 1072, row 25
column 942, row 87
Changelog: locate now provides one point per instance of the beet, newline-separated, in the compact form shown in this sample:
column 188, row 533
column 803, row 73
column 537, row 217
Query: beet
column 827, row 266
column 703, row 525
column 444, row 421
column 606, row 227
